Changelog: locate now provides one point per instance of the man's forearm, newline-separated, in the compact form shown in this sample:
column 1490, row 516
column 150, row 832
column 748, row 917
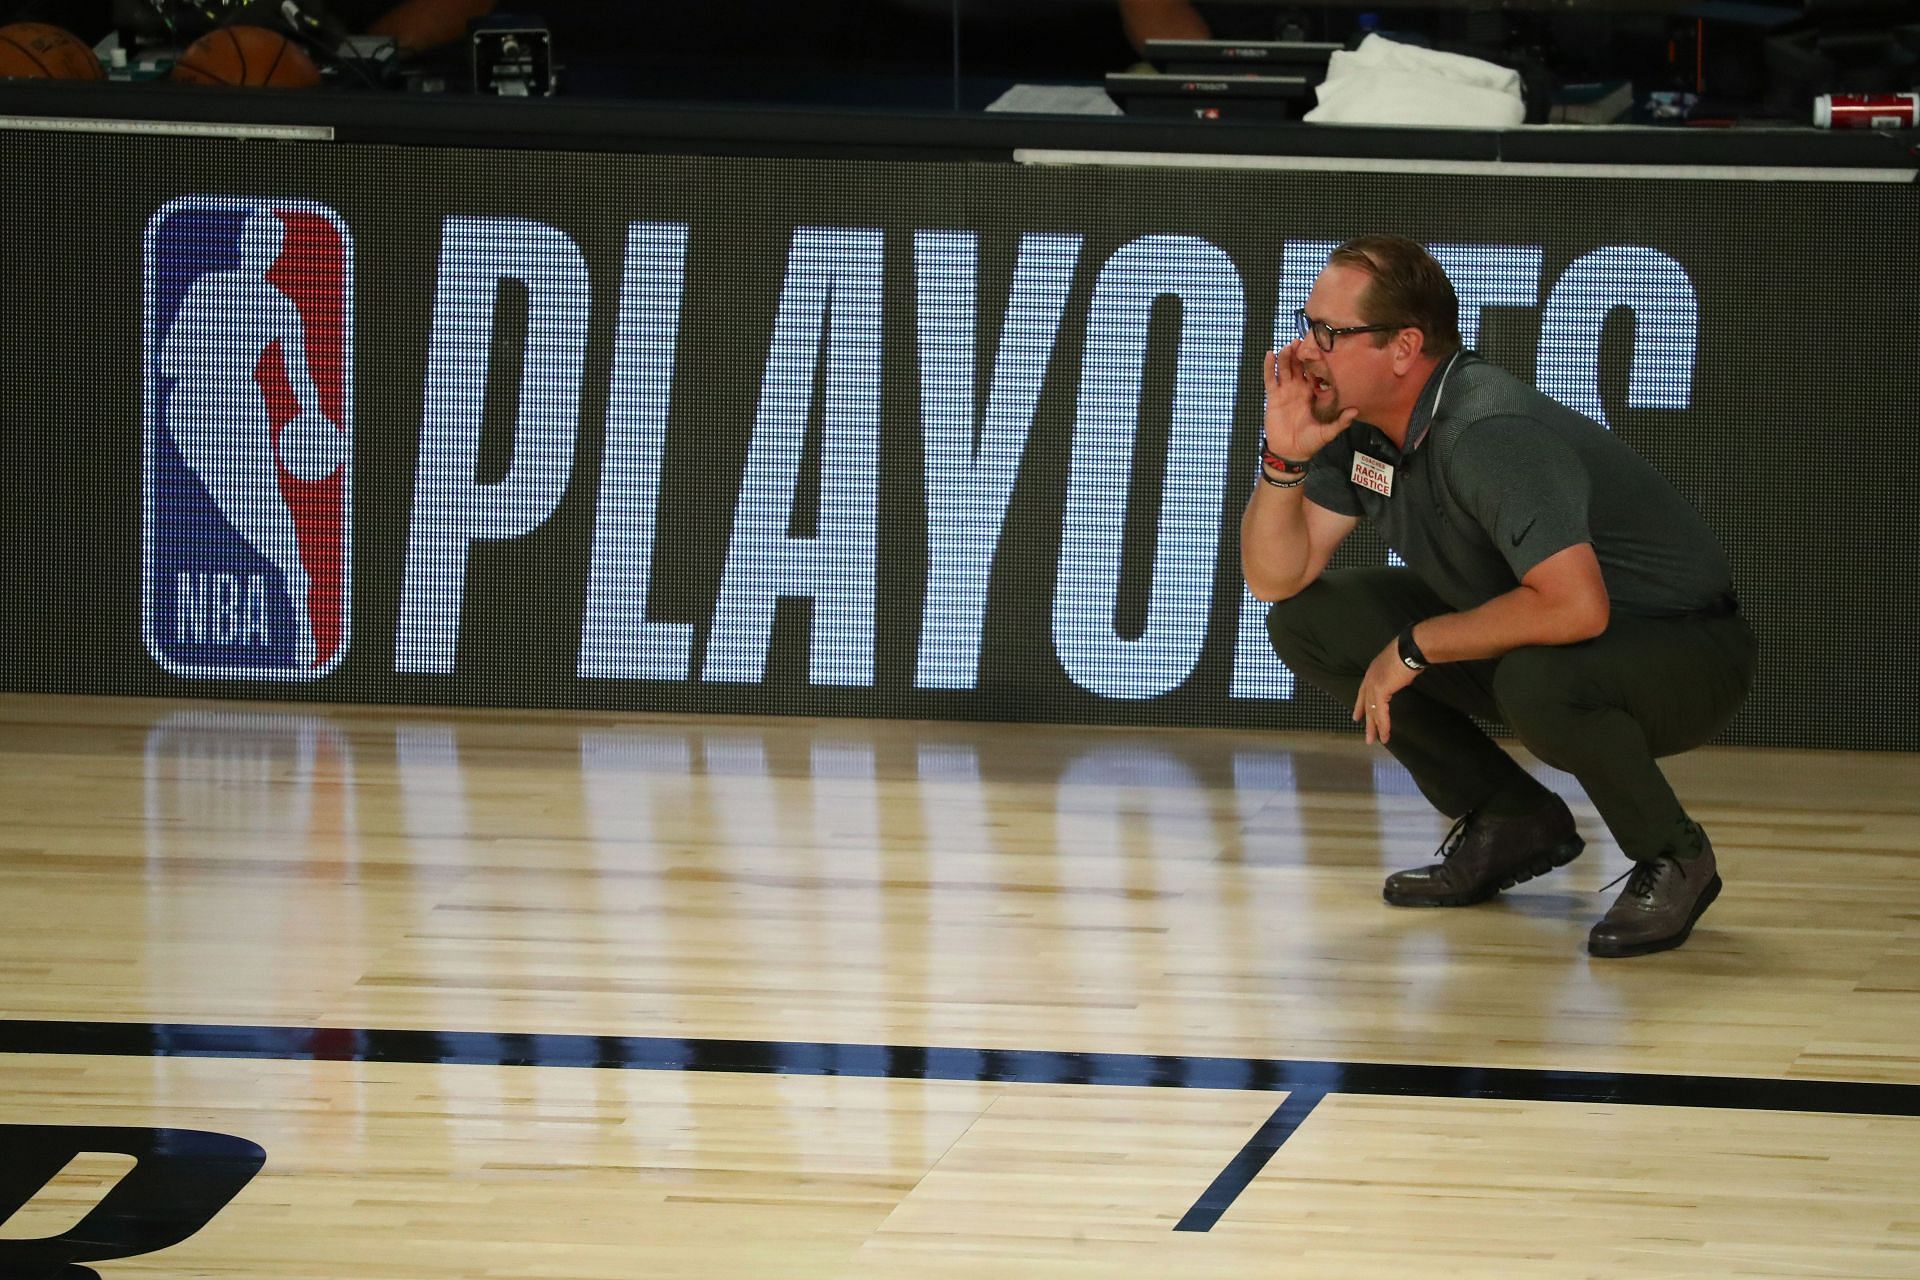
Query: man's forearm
column 1521, row 618
column 1273, row 541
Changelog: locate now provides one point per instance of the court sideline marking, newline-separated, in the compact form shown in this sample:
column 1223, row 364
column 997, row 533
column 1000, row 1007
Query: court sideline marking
column 1305, row 1081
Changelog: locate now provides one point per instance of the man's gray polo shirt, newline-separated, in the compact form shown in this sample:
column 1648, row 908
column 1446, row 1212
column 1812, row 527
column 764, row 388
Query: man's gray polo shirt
column 1499, row 476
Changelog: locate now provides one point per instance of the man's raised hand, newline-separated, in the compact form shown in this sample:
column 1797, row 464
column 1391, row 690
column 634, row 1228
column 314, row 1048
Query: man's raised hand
column 1292, row 429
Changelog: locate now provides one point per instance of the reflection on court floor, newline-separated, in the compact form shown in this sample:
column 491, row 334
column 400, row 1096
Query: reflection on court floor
column 551, row 994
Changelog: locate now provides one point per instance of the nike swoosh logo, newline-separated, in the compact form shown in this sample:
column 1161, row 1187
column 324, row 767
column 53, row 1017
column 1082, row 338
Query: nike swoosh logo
column 1523, row 533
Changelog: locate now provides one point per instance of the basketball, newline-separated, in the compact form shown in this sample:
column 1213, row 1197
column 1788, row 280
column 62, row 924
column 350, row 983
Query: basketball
column 246, row 56
column 41, row 51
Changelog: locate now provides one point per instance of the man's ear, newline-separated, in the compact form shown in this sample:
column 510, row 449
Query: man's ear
column 1408, row 344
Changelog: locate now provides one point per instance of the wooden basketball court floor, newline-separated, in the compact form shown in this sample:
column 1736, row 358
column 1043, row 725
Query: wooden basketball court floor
column 544, row 994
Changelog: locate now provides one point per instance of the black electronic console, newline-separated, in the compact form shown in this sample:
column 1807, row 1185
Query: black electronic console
column 1242, row 57
column 1224, row 79
column 1215, row 97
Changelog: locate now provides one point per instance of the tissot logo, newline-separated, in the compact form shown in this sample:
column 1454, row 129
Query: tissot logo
column 181, row 1178
column 248, row 456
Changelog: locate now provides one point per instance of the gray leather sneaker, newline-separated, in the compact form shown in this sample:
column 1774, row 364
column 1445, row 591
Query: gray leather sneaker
column 1659, row 905
column 1484, row 854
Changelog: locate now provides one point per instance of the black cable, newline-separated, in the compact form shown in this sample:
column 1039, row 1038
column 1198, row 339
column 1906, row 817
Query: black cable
column 316, row 32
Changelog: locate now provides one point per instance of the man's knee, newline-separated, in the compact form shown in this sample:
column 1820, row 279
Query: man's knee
column 1290, row 622
column 1324, row 628
column 1343, row 618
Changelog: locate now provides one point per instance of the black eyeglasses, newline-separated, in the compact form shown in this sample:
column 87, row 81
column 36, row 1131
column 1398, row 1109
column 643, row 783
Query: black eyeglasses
column 1324, row 333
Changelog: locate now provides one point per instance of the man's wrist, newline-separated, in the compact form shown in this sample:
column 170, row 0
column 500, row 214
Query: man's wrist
column 1409, row 649
column 1282, row 479
column 1271, row 461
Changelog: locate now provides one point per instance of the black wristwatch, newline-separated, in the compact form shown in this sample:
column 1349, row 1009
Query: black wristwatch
column 1410, row 655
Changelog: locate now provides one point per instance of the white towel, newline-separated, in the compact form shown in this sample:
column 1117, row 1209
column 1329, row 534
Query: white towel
column 1385, row 82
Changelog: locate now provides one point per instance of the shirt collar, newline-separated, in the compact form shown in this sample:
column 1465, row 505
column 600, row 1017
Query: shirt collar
column 1427, row 407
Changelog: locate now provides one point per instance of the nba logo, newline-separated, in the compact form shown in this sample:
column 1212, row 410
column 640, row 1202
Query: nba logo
column 247, row 458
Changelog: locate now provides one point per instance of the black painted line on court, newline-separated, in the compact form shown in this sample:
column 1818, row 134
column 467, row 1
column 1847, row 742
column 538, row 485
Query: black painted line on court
column 908, row 1062
column 1253, row 1157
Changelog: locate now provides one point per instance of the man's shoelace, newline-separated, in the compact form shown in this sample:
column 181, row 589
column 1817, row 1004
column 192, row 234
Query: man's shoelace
column 1641, row 878
column 1456, row 837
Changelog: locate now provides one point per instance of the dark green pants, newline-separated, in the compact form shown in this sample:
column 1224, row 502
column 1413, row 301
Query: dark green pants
column 1602, row 710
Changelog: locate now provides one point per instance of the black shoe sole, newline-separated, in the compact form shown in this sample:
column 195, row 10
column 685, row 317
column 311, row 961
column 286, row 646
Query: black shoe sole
column 1668, row 943
column 1551, row 859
